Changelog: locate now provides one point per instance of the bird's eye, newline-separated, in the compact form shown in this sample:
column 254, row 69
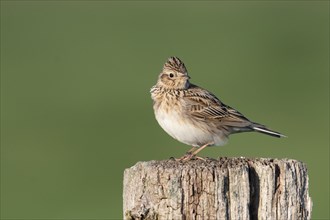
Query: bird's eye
column 171, row 75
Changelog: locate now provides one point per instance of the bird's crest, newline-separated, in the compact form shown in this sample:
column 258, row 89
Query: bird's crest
column 174, row 63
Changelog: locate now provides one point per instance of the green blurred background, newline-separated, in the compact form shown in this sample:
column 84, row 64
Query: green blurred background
column 75, row 103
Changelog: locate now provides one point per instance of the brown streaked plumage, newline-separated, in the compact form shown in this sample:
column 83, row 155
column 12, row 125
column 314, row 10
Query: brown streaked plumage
column 193, row 115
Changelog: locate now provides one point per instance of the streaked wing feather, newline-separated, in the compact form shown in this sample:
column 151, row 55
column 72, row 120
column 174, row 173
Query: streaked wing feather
column 205, row 105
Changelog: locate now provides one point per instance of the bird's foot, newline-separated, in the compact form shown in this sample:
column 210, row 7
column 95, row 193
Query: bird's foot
column 190, row 156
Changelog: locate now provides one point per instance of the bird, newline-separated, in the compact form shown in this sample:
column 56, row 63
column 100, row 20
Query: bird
column 193, row 115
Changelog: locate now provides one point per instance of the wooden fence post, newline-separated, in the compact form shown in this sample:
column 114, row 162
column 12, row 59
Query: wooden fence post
column 227, row 188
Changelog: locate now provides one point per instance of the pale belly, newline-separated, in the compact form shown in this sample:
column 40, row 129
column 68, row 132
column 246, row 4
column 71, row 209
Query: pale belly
column 187, row 132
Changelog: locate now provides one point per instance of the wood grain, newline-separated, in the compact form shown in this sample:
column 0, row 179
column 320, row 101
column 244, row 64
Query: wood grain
column 227, row 188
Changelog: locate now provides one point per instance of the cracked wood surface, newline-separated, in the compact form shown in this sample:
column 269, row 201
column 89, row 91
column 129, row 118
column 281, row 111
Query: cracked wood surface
column 227, row 188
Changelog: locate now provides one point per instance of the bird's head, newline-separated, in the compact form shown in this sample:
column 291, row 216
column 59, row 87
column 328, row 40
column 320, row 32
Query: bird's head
column 174, row 75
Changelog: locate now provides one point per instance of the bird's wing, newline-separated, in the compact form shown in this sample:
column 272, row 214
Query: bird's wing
column 203, row 105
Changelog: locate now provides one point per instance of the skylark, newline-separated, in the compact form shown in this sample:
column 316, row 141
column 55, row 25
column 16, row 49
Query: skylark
column 193, row 115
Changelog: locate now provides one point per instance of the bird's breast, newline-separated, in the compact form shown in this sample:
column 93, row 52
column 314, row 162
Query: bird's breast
column 186, row 130
column 172, row 116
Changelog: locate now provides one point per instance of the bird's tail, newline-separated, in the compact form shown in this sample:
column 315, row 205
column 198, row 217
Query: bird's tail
column 262, row 129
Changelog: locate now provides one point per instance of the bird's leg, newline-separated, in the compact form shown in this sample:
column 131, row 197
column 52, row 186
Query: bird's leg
column 188, row 157
column 201, row 148
column 188, row 153
column 200, row 158
column 192, row 150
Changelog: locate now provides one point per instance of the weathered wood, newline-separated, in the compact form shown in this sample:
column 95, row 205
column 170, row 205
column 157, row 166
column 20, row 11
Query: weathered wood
column 228, row 188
